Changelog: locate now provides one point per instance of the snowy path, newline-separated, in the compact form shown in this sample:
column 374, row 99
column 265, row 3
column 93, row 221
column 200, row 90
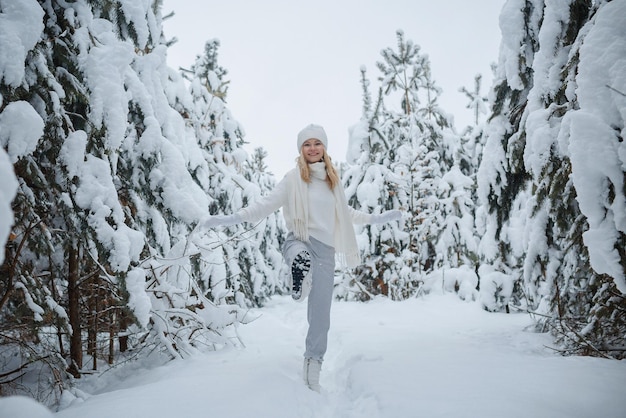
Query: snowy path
column 434, row 357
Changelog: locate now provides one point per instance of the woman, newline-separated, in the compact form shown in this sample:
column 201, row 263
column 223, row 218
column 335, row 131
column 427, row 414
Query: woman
column 319, row 222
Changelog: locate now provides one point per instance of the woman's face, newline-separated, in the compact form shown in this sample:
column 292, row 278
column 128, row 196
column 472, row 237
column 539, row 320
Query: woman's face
column 313, row 150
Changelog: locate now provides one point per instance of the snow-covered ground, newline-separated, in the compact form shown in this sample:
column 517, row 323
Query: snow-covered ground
column 431, row 357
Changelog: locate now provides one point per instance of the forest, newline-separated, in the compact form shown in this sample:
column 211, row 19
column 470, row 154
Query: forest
column 109, row 158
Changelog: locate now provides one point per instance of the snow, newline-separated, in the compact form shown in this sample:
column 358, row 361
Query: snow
column 495, row 288
column 463, row 278
column 135, row 14
column 106, row 67
column 358, row 135
column 511, row 17
column 493, row 159
column 72, row 154
column 434, row 356
column 97, row 194
column 37, row 310
column 20, row 129
column 21, row 406
column 22, row 24
column 138, row 300
column 552, row 56
column 8, row 187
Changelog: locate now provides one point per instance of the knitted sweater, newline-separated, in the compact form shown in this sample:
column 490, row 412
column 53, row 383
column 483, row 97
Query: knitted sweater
column 321, row 201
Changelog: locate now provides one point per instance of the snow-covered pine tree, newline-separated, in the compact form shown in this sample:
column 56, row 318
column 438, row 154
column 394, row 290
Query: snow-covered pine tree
column 503, row 183
column 477, row 102
column 571, row 226
column 428, row 155
column 49, row 254
column 371, row 186
column 239, row 263
column 598, row 172
column 267, row 273
column 408, row 145
column 105, row 198
column 457, row 241
column 458, row 196
column 577, row 291
column 473, row 136
column 161, row 156
column 552, row 220
column 220, row 138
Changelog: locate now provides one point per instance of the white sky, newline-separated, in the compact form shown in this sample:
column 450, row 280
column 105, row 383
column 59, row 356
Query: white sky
column 291, row 63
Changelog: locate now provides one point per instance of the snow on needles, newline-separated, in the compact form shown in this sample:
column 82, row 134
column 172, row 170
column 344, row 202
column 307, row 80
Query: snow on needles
column 595, row 135
column 22, row 23
column 20, row 129
column 20, row 126
column 587, row 129
column 8, row 186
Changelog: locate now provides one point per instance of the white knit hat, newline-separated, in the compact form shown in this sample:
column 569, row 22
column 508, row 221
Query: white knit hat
column 312, row 131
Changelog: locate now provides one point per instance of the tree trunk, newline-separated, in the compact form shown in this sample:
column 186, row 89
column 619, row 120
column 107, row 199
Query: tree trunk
column 73, row 292
column 92, row 332
column 112, row 333
column 123, row 340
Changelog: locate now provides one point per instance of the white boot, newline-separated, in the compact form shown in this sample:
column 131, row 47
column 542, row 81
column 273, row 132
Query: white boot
column 311, row 373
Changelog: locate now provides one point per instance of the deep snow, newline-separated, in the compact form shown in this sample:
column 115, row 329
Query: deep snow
column 435, row 356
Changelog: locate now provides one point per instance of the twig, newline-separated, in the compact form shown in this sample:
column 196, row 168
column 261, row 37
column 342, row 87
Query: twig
column 615, row 90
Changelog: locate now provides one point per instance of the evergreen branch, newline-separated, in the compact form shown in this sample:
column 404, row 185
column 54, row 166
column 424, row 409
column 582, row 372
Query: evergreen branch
column 10, row 286
column 565, row 328
column 381, row 136
column 582, row 341
column 101, row 267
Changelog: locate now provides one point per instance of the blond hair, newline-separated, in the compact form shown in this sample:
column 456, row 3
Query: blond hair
column 332, row 178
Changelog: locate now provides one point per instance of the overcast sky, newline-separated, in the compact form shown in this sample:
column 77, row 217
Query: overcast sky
column 291, row 63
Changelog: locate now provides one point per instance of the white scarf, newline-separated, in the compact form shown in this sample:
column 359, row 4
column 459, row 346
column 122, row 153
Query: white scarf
column 346, row 248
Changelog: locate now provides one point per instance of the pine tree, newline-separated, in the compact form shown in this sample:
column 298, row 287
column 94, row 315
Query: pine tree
column 503, row 182
column 545, row 225
column 264, row 241
column 106, row 197
column 476, row 100
column 406, row 153
column 220, row 138
column 249, row 253
column 473, row 136
column 578, row 298
column 49, row 235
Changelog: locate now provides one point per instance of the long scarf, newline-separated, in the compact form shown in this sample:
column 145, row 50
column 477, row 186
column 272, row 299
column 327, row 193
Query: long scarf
column 346, row 249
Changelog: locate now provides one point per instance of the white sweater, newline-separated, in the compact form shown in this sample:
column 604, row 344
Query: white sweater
column 322, row 217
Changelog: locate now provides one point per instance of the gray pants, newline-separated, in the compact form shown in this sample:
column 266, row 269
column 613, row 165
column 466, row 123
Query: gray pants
column 320, row 298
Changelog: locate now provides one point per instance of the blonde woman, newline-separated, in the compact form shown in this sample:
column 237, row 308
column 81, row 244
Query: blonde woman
column 319, row 222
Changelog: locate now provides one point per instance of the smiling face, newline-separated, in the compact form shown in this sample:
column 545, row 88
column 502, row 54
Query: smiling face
column 313, row 150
